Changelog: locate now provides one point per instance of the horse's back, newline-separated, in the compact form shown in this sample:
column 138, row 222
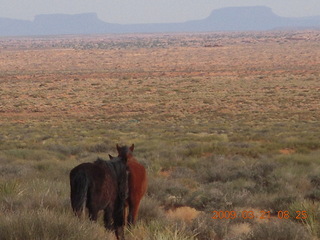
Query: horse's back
column 80, row 168
column 93, row 171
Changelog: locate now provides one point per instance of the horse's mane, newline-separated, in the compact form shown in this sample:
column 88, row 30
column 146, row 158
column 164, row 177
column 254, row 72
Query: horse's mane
column 116, row 164
column 119, row 170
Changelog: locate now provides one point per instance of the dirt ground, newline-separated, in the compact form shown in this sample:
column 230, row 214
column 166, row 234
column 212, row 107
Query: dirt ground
column 138, row 74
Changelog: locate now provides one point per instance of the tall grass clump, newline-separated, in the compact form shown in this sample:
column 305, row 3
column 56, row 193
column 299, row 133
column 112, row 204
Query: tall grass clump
column 167, row 191
column 9, row 188
column 33, row 195
column 312, row 211
column 47, row 225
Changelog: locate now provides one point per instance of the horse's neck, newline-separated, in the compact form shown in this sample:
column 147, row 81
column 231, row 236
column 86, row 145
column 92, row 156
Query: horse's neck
column 131, row 159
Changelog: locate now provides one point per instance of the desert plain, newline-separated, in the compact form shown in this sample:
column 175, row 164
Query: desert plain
column 221, row 121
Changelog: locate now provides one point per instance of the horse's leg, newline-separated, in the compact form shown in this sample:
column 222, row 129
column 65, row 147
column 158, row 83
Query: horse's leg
column 93, row 214
column 126, row 212
column 119, row 232
column 107, row 217
column 81, row 213
column 130, row 214
column 119, row 220
column 135, row 211
column 118, row 228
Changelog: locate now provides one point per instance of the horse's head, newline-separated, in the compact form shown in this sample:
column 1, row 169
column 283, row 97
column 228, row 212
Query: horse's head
column 125, row 151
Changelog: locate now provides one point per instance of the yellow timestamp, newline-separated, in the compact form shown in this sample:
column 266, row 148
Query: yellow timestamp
column 259, row 215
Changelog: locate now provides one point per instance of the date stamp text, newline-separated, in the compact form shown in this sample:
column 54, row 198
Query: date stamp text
column 259, row 215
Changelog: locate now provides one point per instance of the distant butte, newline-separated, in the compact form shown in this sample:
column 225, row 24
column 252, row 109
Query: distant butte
column 257, row 18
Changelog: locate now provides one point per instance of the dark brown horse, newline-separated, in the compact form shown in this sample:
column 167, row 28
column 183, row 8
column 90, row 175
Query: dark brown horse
column 101, row 185
column 137, row 183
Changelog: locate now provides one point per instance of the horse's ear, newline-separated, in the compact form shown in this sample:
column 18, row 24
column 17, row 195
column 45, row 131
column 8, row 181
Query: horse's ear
column 111, row 157
column 131, row 148
column 118, row 148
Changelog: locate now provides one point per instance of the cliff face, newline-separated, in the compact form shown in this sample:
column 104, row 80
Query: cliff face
column 226, row 19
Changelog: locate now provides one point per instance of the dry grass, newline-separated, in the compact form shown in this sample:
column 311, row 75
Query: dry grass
column 183, row 213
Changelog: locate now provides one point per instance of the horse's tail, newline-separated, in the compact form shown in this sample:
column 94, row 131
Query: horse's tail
column 79, row 183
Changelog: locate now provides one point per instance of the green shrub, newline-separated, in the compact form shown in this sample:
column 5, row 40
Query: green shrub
column 64, row 150
column 281, row 202
column 150, row 210
column 104, row 147
column 314, row 195
column 207, row 228
column 167, row 191
column 315, row 181
column 9, row 171
column 210, row 196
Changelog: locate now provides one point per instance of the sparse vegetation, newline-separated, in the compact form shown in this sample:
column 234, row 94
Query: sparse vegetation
column 228, row 128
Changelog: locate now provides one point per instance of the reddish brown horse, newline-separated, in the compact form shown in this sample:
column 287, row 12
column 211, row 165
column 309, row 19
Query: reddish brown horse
column 101, row 185
column 137, row 183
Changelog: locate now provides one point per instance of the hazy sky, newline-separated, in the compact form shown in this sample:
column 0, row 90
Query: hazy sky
column 149, row 11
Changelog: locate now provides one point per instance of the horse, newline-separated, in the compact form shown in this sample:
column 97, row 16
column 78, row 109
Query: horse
column 137, row 182
column 101, row 185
